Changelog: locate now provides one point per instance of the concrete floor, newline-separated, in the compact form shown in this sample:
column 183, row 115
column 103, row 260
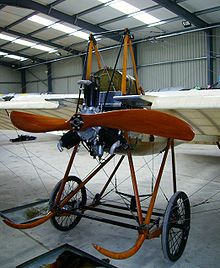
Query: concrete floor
column 30, row 170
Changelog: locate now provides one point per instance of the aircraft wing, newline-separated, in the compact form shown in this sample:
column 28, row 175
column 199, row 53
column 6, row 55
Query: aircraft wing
column 200, row 108
column 57, row 105
column 34, row 101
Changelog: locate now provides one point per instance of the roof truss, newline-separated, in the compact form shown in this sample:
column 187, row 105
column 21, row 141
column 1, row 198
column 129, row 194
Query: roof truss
column 180, row 11
column 172, row 5
column 28, row 4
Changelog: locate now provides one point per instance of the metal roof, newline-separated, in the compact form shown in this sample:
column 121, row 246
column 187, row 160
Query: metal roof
column 46, row 40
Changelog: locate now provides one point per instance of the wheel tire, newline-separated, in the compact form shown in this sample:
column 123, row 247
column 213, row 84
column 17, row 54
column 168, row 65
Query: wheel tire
column 67, row 222
column 176, row 226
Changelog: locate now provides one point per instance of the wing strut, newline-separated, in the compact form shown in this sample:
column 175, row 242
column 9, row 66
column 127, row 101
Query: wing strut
column 128, row 43
column 92, row 45
column 144, row 231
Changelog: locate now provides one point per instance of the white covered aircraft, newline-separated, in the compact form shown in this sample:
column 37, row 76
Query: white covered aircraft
column 59, row 105
column 200, row 108
column 115, row 121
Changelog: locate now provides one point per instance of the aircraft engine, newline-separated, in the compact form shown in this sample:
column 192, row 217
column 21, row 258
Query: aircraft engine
column 96, row 139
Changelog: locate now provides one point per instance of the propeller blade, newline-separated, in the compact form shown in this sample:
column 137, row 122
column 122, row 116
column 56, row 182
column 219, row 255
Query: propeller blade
column 38, row 123
column 137, row 120
column 144, row 121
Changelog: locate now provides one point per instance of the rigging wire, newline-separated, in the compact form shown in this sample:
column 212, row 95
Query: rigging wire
column 197, row 191
column 39, row 158
column 34, row 166
column 46, row 172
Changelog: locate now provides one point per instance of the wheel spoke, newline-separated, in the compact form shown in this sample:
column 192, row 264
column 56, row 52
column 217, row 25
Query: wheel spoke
column 176, row 238
column 176, row 226
column 65, row 220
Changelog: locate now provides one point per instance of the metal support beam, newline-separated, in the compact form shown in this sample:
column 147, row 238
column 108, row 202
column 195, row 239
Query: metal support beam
column 177, row 18
column 32, row 14
column 146, row 9
column 56, row 14
column 91, row 9
column 19, row 21
column 210, row 58
column 35, row 39
column 49, row 78
column 29, row 35
column 207, row 10
column 22, row 55
column 55, row 3
column 23, row 81
column 84, row 64
column 8, row 64
column 180, row 11
column 157, row 37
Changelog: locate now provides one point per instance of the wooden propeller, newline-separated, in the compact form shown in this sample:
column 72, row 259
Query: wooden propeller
column 38, row 123
column 137, row 120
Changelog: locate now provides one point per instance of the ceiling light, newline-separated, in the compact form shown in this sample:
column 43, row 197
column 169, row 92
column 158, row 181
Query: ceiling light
column 156, row 23
column 62, row 28
column 124, row 7
column 81, row 34
column 3, row 53
column 16, row 57
column 23, row 42
column 186, row 24
column 40, row 20
column 6, row 37
column 51, row 24
column 44, row 48
column 104, row 1
column 57, row 26
column 53, row 51
column 145, row 17
column 132, row 11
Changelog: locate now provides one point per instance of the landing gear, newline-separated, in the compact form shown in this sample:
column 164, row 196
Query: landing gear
column 64, row 219
column 176, row 225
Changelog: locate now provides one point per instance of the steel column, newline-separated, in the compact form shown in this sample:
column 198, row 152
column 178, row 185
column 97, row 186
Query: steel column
column 23, row 81
column 210, row 58
column 49, row 78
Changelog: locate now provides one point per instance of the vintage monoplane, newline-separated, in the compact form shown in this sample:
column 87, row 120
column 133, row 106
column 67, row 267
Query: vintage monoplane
column 121, row 122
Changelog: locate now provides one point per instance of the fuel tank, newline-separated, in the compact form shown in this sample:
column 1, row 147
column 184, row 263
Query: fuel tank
column 142, row 144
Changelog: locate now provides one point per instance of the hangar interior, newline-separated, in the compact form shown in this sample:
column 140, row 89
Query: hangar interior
column 43, row 44
column 167, row 53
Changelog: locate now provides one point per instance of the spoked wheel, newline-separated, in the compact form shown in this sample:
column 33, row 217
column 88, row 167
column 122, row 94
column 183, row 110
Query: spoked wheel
column 65, row 220
column 176, row 225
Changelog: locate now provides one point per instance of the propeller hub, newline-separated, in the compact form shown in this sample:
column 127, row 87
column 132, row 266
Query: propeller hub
column 76, row 122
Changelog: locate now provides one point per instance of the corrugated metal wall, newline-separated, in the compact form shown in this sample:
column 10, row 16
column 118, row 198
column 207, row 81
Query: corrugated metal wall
column 65, row 75
column 36, row 79
column 10, row 80
column 179, row 61
column 108, row 59
column 172, row 62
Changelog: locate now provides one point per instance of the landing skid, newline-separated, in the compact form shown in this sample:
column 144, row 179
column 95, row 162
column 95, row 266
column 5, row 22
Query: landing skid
column 68, row 206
